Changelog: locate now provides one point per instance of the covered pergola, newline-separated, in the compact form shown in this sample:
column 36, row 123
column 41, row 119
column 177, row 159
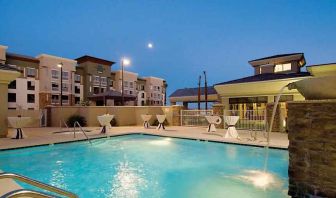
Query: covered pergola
column 190, row 95
column 102, row 99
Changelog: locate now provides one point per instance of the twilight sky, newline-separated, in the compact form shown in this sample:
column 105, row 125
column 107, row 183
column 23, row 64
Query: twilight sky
column 189, row 36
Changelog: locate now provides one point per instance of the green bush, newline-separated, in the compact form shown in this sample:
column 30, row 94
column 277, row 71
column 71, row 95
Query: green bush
column 72, row 119
column 114, row 122
column 156, row 123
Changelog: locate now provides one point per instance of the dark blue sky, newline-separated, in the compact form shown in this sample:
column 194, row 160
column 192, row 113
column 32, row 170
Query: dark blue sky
column 189, row 35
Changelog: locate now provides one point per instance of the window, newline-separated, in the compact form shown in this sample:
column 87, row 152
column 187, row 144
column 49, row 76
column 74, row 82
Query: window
column 131, row 92
column 30, row 98
column 54, row 86
column 54, row 98
column 65, row 99
column 54, row 74
column 65, row 87
column 142, row 87
column 96, row 80
column 11, row 97
column 65, row 75
column 12, row 85
column 131, row 85
column 77, row 100
column 96, row 90
column 30, row 85
column 102, row 90
column 142, row 95
column 77, row 90
column 111, row 83
column 126, row 84
column 283, row 67
column 31, row 72
column 77, row 78
column 103, row 81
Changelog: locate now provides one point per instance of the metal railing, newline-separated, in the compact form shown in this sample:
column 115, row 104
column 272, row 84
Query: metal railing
column 26, row 193
column 80, row 127
column 194, row 117
column 248, row 119
column 35, row 183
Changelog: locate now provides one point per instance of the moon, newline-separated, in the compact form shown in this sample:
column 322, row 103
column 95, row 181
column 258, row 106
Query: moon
column 150, row 45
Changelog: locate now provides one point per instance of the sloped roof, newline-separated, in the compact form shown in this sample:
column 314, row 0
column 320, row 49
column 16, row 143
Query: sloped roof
column 265, row 77
column 192, row 92
column 86, row 58
column 276, row 56
column 22, row 57
column 8, row 67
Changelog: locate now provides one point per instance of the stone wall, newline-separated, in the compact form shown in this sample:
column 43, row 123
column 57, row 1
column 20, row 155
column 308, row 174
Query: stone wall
column 124, row 115
column 312, row 148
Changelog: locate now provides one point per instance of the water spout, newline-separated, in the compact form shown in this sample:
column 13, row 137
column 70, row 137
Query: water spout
column 274, row 111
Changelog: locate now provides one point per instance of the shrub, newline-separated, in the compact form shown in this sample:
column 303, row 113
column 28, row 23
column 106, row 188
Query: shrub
column 72, row 119
column 114, row 122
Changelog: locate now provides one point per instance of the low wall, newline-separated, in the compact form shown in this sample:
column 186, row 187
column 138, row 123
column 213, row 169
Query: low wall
column 124, row 115
column 312, row 148
column 35, row 114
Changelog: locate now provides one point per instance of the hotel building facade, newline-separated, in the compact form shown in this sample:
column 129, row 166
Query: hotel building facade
column 87, row 79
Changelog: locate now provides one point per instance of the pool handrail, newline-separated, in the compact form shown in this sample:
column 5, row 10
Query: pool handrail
column 80, row 127
column 36, row 183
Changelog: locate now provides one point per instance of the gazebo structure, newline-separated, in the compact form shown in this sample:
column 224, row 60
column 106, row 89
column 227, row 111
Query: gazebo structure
column 111, row 98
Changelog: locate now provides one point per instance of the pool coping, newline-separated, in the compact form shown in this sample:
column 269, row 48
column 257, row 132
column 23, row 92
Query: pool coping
column 144, row 133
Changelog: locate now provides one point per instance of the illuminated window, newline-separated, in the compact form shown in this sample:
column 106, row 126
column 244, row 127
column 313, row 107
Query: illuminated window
column 283, row 67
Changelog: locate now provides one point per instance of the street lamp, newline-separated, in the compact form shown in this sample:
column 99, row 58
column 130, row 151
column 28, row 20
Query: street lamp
column 205, row 90
column 60, row 65
column 124, row 62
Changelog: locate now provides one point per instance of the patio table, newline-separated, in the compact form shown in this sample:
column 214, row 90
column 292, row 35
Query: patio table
column 18, row 123
column 105, row 120
column 146, row 119
column 161, row 119
column 231, row 121
column 212, row 120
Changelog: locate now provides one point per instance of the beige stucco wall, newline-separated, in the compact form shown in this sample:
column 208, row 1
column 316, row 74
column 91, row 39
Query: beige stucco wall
column 124, row 115
column 3, row 53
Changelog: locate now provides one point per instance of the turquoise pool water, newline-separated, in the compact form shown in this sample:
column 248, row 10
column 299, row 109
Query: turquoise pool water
column 151, row 166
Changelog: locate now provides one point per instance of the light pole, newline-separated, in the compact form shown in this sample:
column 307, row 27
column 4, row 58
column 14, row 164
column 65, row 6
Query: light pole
column 206, row 91
column 61, row 66
column 199, row 92
column 124, row 62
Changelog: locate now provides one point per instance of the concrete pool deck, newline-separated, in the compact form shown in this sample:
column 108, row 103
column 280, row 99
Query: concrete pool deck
column 44, row 136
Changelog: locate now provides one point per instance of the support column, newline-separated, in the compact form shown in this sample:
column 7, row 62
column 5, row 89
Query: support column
column 226, row 103
column 6, row 76
column 176, row 115
column 3, row 109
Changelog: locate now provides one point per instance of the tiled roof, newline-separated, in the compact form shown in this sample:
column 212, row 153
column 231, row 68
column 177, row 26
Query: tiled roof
column 265, row 77
column 192, row 92
column 22, row 57
column 8, row 67
column 86, row 58
column 276, row 56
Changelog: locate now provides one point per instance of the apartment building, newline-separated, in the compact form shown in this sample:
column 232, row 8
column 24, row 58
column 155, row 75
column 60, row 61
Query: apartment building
column 24, row 91
column 51, row 82
column 86, row 78
column 142, row 94
column 155, row 90
column 95, row 74
column 130, row 85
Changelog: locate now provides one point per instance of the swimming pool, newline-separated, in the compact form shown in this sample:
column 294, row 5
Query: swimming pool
column 151, row 166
